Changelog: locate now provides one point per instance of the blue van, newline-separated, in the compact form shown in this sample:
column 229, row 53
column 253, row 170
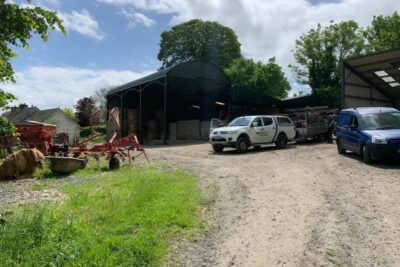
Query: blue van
column 372, row 132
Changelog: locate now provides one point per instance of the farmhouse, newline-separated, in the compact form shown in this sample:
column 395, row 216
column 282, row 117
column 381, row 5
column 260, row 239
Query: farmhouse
column 23, row 113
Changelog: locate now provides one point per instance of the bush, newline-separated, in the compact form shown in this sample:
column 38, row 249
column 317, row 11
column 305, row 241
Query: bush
column 86, row 131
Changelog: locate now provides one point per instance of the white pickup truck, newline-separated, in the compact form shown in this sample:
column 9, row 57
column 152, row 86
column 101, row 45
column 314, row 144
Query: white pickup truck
column 255, row 131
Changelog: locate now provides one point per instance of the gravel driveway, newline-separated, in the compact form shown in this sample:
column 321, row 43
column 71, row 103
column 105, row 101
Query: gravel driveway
column 301, row 206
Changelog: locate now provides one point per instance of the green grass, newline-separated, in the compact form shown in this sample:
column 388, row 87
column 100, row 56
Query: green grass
column 123, row 218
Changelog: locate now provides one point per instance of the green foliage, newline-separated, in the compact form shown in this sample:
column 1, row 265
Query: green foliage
column 84, row 108
column 17, row 24
column 86, row 131
column 264, row 78
column 197, row 39
column 384, row 33
column 319, row 55
column 121, row 218
column 6, row 127
column 70, row 113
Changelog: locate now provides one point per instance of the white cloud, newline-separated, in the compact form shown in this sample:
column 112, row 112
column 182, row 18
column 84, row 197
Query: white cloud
column 266, row 28
column 134, row 18
column 49, row 87
column 83, row 23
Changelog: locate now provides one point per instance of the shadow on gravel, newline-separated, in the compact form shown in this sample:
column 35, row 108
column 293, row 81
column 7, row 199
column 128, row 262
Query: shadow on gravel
column 382, row 164
column 232, row 152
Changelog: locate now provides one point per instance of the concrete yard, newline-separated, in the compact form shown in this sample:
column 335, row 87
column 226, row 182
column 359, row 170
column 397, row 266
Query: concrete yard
column 302, row 206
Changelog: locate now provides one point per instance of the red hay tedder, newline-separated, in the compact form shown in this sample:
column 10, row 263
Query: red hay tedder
column 115, row 149
column 39, row 135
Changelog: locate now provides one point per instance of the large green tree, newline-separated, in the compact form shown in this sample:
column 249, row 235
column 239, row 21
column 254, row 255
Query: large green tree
column 264, row 78
column 85, row 107
column 17, row 25
column 384, row 33
column 319, row 54
column 197, row 39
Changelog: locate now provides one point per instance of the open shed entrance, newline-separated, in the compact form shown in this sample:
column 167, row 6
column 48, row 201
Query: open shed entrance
column 174, row 103
column 372, row 80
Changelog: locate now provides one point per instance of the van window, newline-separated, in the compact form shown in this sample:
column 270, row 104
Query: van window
column 267, row 121
column 344, row 119
column 354, row 121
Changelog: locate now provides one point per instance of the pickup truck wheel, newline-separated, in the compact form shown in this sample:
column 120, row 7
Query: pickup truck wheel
column 217, row 148
column 365, row 154
column 242, row 144
column 340, row 149
column 281, row 141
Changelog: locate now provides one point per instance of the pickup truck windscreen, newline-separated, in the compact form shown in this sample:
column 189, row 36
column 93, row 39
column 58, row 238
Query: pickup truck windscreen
column 241, row 121
column 381, row 121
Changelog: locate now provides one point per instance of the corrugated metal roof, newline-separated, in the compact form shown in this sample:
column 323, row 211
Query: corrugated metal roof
column 366, row 67
column 193, row 69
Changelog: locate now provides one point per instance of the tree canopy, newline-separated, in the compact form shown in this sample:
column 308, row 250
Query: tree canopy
column 84, row 108
column 264, row 78
column 18, row 24
column 198, row 39
column 384, row 33
column 319, row 54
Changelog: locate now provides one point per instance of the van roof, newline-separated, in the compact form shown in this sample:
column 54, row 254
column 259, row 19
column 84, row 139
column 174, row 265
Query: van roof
column 367, row 110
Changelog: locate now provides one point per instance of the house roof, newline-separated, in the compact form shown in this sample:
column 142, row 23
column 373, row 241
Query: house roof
column 32, row 114
column 19, row 114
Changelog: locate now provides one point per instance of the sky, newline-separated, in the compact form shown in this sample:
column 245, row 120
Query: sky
column 111, row 42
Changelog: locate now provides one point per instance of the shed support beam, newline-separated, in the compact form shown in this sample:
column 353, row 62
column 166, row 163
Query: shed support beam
column 140, row 115
column 165, row 110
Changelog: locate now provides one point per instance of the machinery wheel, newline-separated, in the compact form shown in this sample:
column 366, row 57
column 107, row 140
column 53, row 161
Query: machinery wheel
column 365, row 154
column 217, row 148
column 242, row 144
column 114, row 163
column 340, row 149
column 281, row 141
column 84, row 163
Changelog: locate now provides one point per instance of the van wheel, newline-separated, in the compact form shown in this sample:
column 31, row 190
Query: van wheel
column 281, row 141
column 340, row 149
column 242, row 145
column 365, row 154
column 217, row 148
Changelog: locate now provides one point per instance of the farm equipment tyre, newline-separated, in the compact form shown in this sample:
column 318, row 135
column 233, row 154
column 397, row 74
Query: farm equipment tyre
column 114, row 163
column 84, row 164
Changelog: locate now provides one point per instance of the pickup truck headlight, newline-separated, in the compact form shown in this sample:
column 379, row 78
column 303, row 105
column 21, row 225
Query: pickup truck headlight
column 229, row 132
column 378, row 140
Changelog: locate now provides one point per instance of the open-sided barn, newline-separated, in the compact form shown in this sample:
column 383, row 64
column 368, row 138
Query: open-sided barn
column 179, row 102
column 372, row 80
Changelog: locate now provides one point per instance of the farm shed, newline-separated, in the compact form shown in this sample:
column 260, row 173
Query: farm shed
column 174, row 103
column 372, row 80
column 179, row 102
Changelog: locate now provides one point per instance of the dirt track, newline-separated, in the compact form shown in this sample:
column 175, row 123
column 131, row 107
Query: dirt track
column 301, row 206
